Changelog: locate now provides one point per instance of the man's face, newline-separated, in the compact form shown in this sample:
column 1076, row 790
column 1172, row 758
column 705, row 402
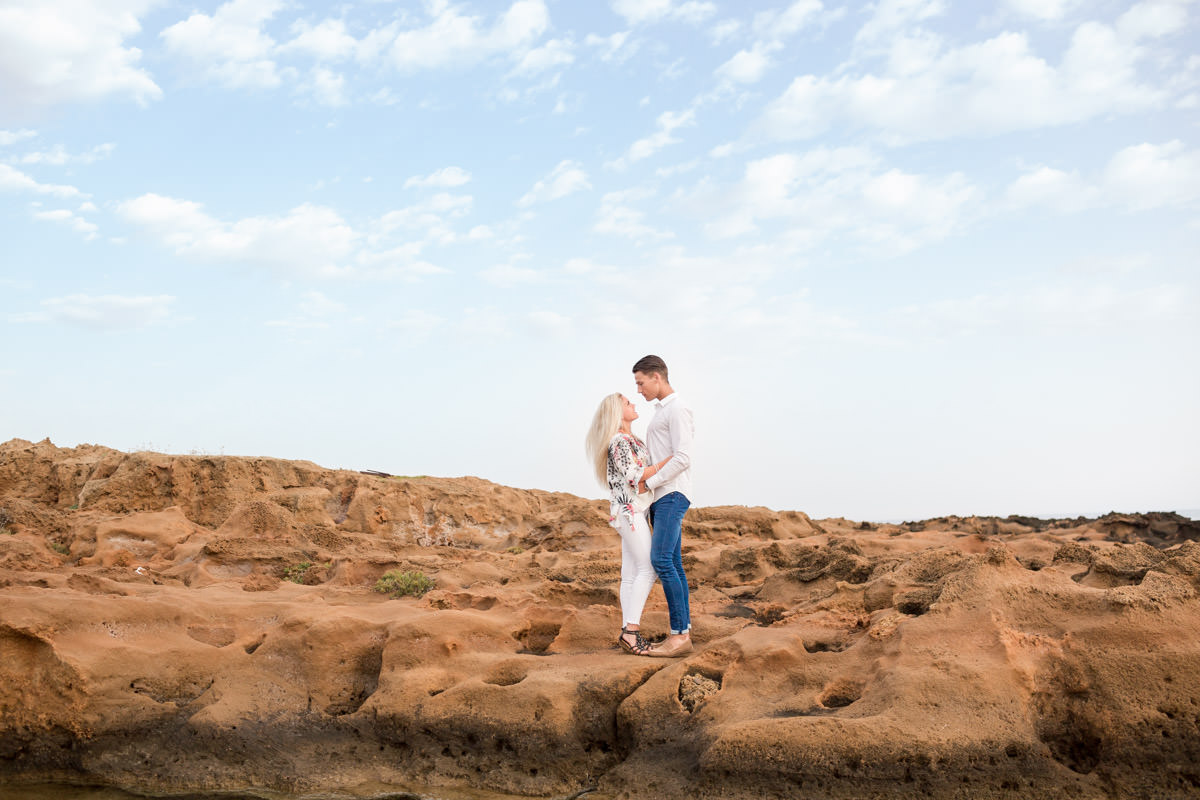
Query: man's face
column 648, row 385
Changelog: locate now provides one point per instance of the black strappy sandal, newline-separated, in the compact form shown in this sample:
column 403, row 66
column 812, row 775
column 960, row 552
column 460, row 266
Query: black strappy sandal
column 640, row 647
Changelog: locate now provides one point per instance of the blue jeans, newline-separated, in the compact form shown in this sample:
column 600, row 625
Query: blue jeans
column 666, row 554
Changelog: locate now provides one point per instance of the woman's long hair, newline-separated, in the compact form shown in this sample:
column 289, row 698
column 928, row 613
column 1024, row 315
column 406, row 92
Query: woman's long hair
column 604, row 425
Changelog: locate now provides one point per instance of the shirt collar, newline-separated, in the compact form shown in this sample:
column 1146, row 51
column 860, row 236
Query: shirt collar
column 667, row 400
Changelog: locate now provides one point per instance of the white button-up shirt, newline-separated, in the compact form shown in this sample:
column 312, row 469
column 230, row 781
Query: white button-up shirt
column 670, row 435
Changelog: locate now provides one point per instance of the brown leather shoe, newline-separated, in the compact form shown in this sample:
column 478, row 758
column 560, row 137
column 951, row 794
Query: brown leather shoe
column 664, row 650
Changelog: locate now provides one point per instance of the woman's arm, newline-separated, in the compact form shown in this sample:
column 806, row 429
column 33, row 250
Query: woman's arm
column 621, row 453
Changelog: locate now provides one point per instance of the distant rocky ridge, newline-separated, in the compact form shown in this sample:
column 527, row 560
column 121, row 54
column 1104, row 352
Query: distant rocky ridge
column 185, row 623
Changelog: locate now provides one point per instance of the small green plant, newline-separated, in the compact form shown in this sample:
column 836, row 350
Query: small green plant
column 75, row 507
column 5, row 518
column 516, row 549
column 404, row 584
column 295, row 573
column 60, row 548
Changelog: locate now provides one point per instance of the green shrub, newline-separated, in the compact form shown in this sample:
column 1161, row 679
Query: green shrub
column 5, row 518
column 295, row 573
column 404, row 584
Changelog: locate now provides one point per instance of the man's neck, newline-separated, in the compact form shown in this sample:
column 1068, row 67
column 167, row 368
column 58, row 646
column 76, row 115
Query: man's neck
column 665, row 393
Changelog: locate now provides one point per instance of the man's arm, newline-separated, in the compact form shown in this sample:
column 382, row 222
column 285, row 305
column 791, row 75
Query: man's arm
column 681, row 448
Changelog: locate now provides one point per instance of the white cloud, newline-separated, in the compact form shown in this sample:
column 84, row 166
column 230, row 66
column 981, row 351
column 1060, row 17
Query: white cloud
column 1137, row 178
column 298, row 323
column 566, row 178
column 103, row 312
column 431, row 217
column 1044, row 10
column 314, row 308
column 709, row 298
column 770, row 29
column 616, row 47
column 230, row 46
column 774, row 24
column 677, row 169
column 748, row 66
column 69, row 218
column 446, row 177
column 668, row 123
column 316, row 304
column 1052, row 188
column 891, row 16
column 644, row 12
column 842, row 192
column 58, row 156
column 416, row 324
column 325, row 41
column 12, row 137
column 508, row 275
column 1071, row 306
column 930, row 92
column 1149, row 176
column 397, row 262
column 1153, row 19
column 554, row 53
column 385, row 97
column 617, row 216
column 548, row 323
column 724, row 30
column 603, row 275
column 452, row 39
column 579, row 266
column 15, row 180
column 328, row 88
column 308, row 239
column 58, row 51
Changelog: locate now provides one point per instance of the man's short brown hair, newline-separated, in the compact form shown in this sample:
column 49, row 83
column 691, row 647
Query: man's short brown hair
column 648, row 364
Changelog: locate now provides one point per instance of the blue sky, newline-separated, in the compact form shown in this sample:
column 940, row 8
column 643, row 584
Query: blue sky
column 904, row 258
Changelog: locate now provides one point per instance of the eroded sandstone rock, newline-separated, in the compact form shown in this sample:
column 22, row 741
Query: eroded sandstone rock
column 183, row 623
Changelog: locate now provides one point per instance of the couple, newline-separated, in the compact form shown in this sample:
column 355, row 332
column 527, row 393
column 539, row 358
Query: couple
column 648, row 480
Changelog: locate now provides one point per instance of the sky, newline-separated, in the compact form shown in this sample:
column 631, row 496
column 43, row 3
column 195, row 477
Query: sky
column 904, row 259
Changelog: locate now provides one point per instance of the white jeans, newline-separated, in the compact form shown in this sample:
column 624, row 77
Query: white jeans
column 637, row 574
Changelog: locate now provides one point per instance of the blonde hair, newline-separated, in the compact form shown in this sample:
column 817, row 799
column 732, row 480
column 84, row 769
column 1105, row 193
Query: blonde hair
column 604, row 425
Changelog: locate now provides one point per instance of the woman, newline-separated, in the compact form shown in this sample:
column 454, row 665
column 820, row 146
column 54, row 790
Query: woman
column 621, row 462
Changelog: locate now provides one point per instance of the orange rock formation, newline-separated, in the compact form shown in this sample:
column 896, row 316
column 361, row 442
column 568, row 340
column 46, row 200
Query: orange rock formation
column 194, row 623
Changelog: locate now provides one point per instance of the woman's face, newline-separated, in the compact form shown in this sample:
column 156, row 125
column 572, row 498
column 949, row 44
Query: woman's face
column 629, row 412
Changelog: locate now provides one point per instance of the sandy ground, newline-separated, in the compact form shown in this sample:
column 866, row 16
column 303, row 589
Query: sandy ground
column 187, row 623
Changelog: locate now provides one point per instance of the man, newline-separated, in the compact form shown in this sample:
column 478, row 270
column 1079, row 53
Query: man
column 669, row 438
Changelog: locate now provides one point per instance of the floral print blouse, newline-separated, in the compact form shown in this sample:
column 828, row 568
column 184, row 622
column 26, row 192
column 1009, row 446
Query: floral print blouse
column 627, row 459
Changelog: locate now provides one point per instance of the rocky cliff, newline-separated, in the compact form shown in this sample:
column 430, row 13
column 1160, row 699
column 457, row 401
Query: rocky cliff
column 184, row 623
